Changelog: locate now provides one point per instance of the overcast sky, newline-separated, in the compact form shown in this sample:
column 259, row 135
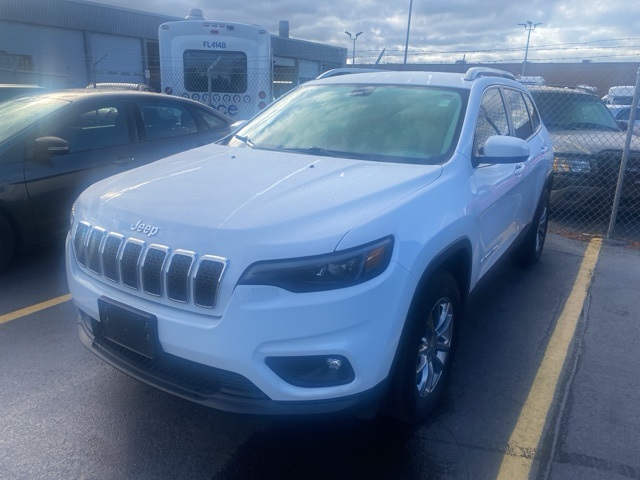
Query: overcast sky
column 441, row 30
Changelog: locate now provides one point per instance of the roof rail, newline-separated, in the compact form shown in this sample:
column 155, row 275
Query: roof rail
column 476, row 72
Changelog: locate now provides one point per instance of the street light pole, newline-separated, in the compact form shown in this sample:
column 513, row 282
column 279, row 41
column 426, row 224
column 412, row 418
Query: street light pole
column 406, row 45
column 528, row 27
column 354, row 38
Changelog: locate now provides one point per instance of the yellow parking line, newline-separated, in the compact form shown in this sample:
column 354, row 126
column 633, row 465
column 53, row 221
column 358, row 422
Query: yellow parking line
column 518, row 461
column 34, row 308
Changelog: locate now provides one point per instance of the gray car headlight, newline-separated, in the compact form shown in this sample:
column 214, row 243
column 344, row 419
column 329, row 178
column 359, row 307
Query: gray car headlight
column 571, row 164
column 323, row 272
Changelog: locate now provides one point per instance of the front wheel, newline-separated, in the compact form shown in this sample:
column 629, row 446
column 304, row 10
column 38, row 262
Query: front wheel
column 426, row 351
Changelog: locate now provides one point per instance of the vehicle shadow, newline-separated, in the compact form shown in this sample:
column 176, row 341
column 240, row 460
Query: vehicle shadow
column 33, row 276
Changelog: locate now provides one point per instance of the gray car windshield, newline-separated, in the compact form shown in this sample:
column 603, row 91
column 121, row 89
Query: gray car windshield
column 410, row 124
column 17, row 114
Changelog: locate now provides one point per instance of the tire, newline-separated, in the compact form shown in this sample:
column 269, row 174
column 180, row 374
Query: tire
column 426, row 350
column 529, row 251
column 7, row 243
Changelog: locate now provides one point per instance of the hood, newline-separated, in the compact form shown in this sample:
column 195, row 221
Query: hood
column 221, row 199
column 590, row 142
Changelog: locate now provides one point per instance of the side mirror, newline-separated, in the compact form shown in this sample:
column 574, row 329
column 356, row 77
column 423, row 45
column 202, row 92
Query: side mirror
column 504, row 150
column 46, row 146
column 623, row 124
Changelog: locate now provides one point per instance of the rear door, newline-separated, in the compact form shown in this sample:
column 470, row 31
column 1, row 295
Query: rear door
column 503, row 201
column 526, row 124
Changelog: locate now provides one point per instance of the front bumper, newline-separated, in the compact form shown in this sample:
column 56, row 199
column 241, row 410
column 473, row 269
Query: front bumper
column 222, row 361
column 215, row 388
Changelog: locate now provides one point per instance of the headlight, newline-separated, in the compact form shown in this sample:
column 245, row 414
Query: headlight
column 571, row 165
column 323, row 272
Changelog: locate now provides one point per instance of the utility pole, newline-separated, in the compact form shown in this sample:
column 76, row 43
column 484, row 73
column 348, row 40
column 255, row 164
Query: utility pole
column 354, row 38
column 528, row 27
column 406, row 45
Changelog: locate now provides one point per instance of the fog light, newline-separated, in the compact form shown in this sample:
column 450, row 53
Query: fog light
column 312, row 371
column 334, row 363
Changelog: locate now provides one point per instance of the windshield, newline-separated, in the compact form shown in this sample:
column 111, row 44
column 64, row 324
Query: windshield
column 19, row 113
column 573, row 111
column 377, row 122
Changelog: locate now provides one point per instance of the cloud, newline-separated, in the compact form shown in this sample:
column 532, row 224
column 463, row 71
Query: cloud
column 440, row 30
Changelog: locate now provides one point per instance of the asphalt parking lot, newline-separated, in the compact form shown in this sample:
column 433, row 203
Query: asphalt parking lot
column 545, row 385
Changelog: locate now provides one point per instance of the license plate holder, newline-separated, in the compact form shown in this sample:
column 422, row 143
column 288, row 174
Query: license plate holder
column 129, row 327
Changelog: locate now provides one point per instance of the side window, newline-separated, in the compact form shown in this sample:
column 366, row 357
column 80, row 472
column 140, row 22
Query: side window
column 492, row 120
column 213, row 122
column 99, row 126
column 519, row 114
column 166, row 119
column 533, row 113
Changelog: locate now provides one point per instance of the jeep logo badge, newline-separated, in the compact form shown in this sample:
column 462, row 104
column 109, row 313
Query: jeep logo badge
column 148, row 230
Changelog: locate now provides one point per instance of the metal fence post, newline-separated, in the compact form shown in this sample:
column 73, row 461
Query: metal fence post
column 625, row 156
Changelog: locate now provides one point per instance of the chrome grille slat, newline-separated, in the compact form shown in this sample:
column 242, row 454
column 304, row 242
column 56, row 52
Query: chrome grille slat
column 110, row 257
column 180, row 275
column 80, row 242
column 206, row 281
column 129, row 263
column 152, row 269
column 94, row 262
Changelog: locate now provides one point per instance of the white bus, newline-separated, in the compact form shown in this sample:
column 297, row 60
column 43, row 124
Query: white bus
column 222, row 64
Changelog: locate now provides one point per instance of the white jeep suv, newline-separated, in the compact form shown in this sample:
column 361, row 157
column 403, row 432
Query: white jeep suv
column 318, row 261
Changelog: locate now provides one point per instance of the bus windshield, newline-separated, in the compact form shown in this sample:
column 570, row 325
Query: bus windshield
column 215, row 71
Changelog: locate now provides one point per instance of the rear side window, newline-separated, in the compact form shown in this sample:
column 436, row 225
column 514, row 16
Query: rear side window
column 166, row 119
column 213, row 122
column 522, row 125
column 533, row 113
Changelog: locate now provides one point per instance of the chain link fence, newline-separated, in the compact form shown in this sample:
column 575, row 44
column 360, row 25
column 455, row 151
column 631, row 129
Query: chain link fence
column 596, row 146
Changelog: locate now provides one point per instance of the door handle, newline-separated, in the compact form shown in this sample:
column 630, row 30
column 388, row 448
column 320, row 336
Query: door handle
column 123, row 160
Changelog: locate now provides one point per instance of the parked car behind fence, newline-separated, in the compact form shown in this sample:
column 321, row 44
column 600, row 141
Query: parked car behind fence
column 588, row 144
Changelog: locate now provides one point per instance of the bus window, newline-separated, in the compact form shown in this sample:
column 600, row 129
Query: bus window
column 227, row 71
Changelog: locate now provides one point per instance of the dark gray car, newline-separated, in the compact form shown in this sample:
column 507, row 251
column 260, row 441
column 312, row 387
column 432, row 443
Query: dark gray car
column 54, row 145
column 12, row 90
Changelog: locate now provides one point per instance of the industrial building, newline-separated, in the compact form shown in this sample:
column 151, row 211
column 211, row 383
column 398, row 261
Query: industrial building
column 71, row 43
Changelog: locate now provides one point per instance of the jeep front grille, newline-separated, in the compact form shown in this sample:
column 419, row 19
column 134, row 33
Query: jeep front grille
column 179, row 275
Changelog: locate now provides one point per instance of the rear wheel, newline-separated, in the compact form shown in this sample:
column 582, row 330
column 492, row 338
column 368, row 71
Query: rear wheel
column 530, row 250
column 426, row 352
column 7, row 243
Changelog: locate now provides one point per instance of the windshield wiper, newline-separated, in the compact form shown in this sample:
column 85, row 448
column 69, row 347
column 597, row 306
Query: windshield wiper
column 246, row 140
column 320, row 151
